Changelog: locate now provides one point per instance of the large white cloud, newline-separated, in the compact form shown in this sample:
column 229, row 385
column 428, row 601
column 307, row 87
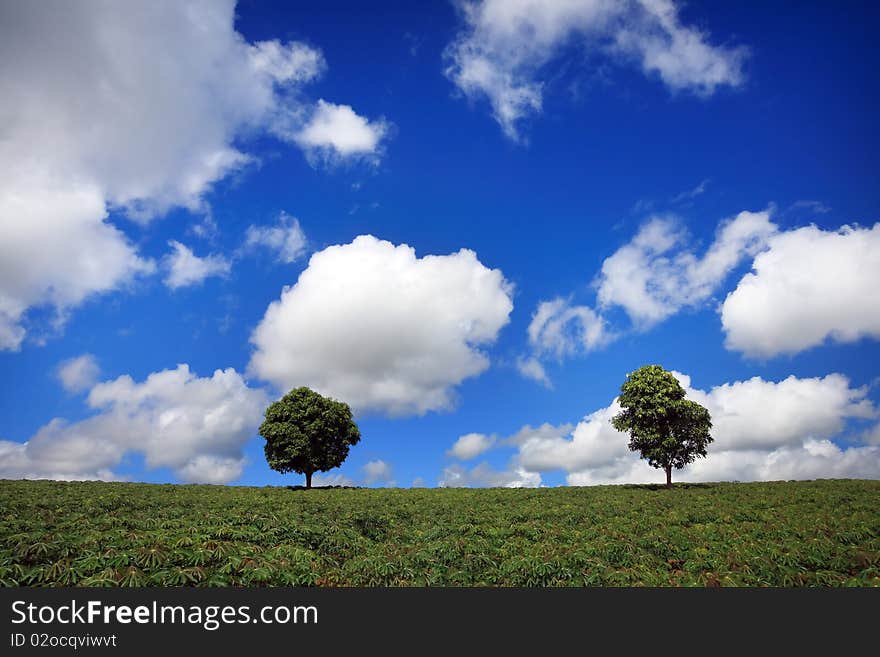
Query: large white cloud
column 655, row 275
column 762, row 430
column 194, row 425
column 500, row 52
column 810, row 285
column 138, row 106
column 813, row 459
column 765, row 414
column 374, row 325
column 55, row 247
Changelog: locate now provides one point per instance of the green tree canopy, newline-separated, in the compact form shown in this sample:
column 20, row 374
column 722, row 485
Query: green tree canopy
column 306, row 433
column 667, row 429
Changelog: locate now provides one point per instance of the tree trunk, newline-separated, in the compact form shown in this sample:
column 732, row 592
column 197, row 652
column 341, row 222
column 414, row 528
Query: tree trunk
column 308, row 479
column 668, row 476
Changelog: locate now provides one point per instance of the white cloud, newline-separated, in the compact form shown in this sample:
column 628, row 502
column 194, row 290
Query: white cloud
column 378, row 471
column 592, row 443
column 70, row 462
column 184, row 268
column 336, row 132
column 680, row 55
column 138, row 107
column 483, row 476
column 691, row 194
column 654, row 276
column 532, row 368
column 505, row 44
column 872, row 435
column 809, row 286
column 286, row 239
column 175, row 419
column 373, row 325
column 762, row 430
column 55, row 247
column 561, row 329
column 818, row 207
column 811, row 459
column 78, row 374
column 292, row 62
column 335, row 479
column 471, row 445
column 545, row 431
column 765, row 414
column 210, row 469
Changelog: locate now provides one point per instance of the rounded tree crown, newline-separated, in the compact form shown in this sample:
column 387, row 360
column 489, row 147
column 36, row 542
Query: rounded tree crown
column 668, row 430
column 306, row 432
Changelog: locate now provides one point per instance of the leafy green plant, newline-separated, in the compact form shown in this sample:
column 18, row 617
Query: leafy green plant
column 812, row 533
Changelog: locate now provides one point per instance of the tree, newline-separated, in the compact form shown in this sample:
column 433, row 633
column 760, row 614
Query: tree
column 669, row 430
column 306, row 433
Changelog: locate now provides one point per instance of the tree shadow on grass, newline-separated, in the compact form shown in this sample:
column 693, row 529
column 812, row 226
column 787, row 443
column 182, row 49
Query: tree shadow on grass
column 675, row 486
column 321, row 487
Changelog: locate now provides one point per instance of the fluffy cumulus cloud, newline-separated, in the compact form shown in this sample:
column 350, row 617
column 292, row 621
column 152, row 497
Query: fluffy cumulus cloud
column 470, row 446
column 809, row 286
column 137, row 107
column 764, row 414
column 763, row 430
column 55, row 247
column 484, row 476
column 655, row 275
column 376, row 326
column 78, row 374
column 286, row 239
column 196, row 426
column 184, row 268
column 592, row 443
column 335, row 132
column 560, row 329
column 378, row 471
column 504, row 46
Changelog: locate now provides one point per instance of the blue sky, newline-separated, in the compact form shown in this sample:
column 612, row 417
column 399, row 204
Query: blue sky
column 570, row 154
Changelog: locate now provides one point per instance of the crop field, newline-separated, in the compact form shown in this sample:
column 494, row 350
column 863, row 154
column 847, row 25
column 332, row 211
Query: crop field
column 818, row 533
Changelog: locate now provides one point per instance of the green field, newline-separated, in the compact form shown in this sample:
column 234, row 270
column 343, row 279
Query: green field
column 824, row 533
